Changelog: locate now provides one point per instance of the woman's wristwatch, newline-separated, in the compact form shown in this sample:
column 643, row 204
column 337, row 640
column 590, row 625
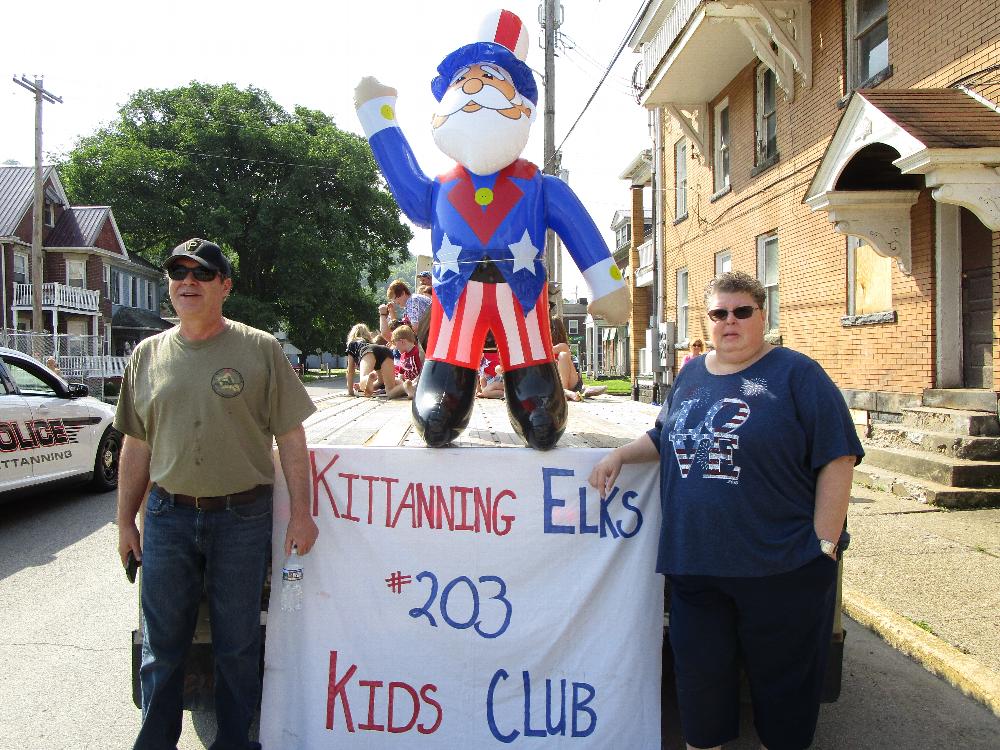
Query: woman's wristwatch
column 827, row 547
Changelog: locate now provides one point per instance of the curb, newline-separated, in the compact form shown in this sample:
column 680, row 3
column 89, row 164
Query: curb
column 959, row 670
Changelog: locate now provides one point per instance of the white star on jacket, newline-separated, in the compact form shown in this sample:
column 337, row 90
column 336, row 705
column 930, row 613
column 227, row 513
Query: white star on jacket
column 524, row 253
column 447, row 256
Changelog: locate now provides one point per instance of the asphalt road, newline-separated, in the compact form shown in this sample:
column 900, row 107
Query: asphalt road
column 66, row 611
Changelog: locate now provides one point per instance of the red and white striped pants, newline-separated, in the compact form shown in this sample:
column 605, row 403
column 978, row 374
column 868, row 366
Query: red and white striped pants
column 522, row 339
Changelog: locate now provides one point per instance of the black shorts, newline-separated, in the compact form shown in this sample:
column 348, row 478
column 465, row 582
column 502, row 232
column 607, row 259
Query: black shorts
column 778, row 628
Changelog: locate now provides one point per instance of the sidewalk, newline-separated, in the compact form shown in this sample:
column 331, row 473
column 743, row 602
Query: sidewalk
column 928, row 581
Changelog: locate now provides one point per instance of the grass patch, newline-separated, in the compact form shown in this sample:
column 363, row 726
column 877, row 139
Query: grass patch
column 922, row 625
column 616, row 386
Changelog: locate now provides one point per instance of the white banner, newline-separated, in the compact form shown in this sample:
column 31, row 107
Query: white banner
column 468, row 598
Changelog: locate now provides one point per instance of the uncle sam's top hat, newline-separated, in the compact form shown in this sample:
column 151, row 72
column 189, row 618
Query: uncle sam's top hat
column 502, row 40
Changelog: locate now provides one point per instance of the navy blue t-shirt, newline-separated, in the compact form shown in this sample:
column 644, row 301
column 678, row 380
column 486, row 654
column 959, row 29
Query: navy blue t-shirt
column 739, row 457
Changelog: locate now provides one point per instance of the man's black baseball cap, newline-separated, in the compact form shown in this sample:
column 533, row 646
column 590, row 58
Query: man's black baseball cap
column 204, row 253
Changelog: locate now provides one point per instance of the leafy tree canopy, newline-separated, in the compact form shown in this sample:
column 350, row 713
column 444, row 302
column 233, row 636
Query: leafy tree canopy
column 297, row 204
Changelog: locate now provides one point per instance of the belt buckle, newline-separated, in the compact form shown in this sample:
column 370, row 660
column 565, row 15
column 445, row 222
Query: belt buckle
column 197, row 504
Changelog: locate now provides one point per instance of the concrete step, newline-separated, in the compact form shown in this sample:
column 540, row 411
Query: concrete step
column 972, row 448
column 957, row 421
column 969, row 399
column 953, row 472
column 924, row 490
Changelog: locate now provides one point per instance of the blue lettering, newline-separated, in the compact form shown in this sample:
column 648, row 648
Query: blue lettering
column 559, row 728
column 554, row 502
column 583, row 707
column 528, row 731
column 606, row 522
column 505, row 738
column 638, row 515
column 584, row 528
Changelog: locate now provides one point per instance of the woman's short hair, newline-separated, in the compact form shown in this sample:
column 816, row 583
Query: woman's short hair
column 699, row 343
column 395, row 289
column 736, row 282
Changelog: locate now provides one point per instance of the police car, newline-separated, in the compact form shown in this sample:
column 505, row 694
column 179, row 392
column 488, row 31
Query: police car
column 51, row 431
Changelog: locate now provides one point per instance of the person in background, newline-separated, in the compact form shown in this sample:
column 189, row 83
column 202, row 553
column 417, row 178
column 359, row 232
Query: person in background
column 491, row 386
column 373, row 362
column 200, row 406
column 697, row 349
column 51, row 363
column 572, row 380
column 757, row 450
column 404, row 340
column 402, row 306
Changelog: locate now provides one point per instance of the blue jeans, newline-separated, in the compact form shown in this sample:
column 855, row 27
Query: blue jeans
column 184, row 552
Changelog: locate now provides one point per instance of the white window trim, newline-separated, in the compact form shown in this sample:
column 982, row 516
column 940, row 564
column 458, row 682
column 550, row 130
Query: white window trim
column 27, row 267
column 852, row 35
column 79, row 265
column 680, row 179
column 683, row 305
column 720, row 179
column 727, row 254
column 573, row 327
column 760, row 131
column 770, row 313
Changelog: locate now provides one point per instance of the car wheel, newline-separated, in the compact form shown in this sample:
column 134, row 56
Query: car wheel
column 106, row 462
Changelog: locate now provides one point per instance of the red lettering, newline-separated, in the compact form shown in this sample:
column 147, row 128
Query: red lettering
column 463, row 493
column 317, row 478
column 415, row 711
column 59, row 431
column 372, row 686
column 336, row 688
column 440, row 714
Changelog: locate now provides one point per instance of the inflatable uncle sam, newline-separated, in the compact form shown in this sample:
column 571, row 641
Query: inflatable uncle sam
column 488, row 217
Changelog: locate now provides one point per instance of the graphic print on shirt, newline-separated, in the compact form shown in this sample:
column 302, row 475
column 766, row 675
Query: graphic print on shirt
column 713, row 441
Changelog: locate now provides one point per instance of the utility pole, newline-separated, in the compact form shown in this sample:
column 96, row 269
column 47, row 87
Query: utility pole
column 550, row 23
column 36, row 225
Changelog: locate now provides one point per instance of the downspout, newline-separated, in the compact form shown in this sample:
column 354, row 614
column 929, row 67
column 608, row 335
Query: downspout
column 3, row 282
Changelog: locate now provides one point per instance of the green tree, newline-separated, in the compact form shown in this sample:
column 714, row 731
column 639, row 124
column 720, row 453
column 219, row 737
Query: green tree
column 297, row 204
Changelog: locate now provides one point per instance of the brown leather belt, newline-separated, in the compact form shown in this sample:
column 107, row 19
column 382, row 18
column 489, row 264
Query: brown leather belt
column 218, row 502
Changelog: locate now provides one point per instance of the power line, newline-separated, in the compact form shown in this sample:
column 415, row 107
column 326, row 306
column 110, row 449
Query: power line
column 607, row 71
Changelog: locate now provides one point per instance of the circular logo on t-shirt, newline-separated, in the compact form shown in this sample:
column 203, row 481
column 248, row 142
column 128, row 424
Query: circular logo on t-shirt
column 227, row 382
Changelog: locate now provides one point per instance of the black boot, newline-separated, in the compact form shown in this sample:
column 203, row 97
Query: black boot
column 443, row 402
column 536, row 404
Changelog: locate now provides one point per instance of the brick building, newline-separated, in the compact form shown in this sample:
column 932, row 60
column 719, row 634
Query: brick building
column 93, row 289
column 845, row 152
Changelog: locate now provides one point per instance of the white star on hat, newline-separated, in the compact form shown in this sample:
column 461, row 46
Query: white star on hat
column 447, row 256
column 524, row 253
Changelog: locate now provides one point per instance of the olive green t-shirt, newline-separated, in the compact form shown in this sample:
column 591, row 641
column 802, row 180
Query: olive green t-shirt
column 209, row 409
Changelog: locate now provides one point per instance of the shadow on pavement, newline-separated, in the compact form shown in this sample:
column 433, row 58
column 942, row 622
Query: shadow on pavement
column 35, row 528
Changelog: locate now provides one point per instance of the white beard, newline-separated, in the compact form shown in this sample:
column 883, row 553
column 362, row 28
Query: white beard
column 484, row 141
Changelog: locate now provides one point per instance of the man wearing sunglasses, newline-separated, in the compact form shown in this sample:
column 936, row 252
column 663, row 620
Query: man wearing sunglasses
column 200, row 405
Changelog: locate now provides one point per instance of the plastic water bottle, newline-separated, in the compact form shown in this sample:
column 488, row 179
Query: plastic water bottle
column 291, row 583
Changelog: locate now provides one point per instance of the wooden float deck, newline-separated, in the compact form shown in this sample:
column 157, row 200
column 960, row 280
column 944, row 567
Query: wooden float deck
column 599, row 422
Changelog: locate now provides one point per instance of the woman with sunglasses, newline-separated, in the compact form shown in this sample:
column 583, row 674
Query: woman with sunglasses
column 756, row 452
column 697, row 349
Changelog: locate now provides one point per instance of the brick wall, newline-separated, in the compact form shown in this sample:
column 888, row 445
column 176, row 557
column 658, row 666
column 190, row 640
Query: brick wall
column 930, row 44
column 640, row 299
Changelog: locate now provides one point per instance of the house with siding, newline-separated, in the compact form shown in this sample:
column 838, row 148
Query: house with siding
column 93, row 289
column 846, row 153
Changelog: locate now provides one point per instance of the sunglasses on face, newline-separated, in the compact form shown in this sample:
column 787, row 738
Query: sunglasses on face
column 179, row 273
column 742, row 312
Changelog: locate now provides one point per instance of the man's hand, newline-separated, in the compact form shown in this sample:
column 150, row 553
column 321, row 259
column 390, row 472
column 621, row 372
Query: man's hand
column 302, row 532
column 615, row 307
column 369, row 88
column 128, row 541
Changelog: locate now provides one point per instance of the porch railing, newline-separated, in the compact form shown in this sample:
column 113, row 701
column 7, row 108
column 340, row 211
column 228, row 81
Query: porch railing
column 59, row 296
column 654, row 50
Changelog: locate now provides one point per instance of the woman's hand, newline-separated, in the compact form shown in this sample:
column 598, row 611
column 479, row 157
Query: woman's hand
column 604, row 474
